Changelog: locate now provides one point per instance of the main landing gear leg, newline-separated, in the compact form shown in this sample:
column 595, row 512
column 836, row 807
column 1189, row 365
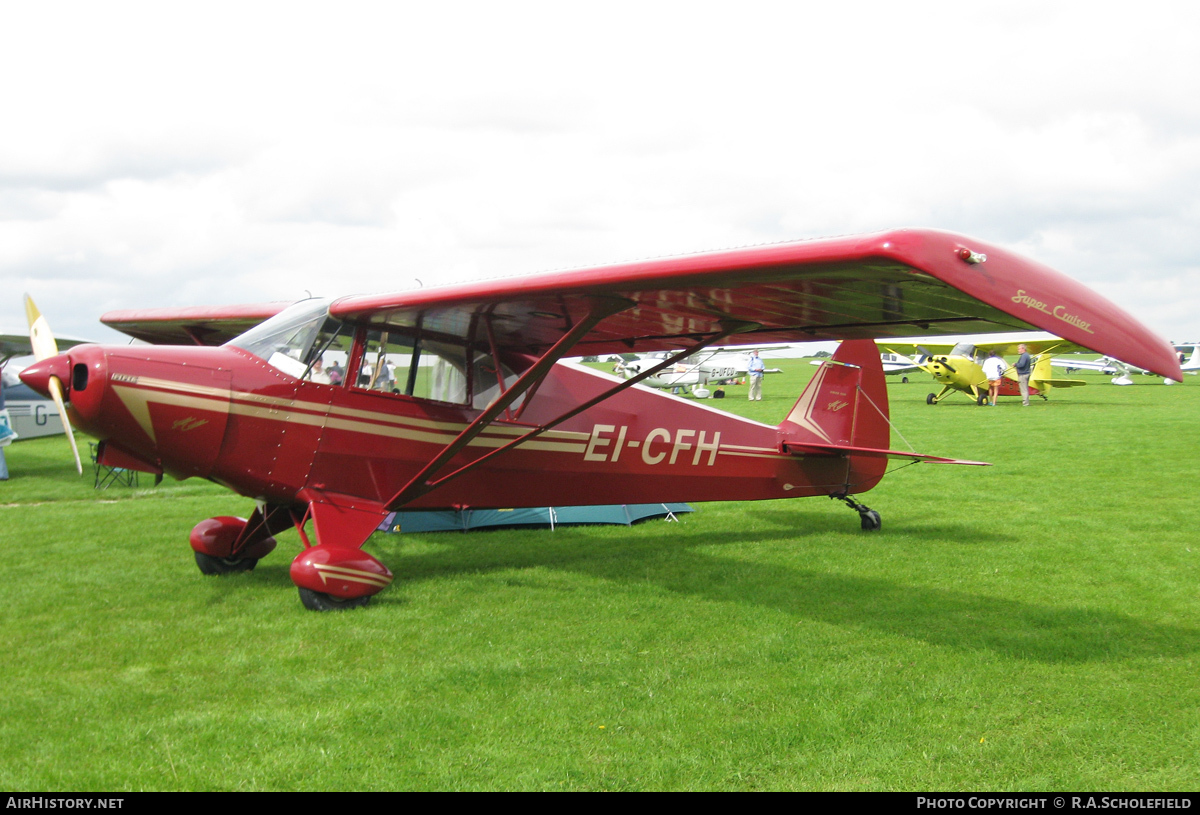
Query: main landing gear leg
column 871, row 521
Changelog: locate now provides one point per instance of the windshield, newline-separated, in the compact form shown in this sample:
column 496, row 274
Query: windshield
column 305, row 342
column 963, row 349
column 288, row 341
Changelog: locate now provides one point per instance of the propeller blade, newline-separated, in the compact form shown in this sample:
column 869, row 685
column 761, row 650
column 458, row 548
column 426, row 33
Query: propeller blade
column 40, row 336
column 57, row 395
column 44, row 347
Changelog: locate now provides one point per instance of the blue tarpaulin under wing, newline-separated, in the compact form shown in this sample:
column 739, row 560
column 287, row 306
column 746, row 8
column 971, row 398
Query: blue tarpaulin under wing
column 450, row 520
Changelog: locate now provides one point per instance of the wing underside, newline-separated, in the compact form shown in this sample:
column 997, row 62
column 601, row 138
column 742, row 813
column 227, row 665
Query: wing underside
column 896, row 284
column 195, row 325
column 1039, row 343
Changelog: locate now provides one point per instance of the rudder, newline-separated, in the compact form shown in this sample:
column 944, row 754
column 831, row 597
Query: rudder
column 846, row 401
column 845, row 404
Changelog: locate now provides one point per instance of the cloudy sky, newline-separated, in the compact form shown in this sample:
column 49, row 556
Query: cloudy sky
column 159, row 154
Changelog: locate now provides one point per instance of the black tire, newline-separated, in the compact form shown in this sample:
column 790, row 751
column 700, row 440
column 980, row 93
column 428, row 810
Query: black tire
column 871, row 522
column 931, row 399
column 982, row 399
column 220, row 565
column 904, row 380
column 316, row 601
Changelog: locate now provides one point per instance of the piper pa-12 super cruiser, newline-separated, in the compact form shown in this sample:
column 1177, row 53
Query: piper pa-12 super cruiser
column 331, row 414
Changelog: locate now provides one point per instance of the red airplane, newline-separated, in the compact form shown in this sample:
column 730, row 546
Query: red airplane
column 453, row 397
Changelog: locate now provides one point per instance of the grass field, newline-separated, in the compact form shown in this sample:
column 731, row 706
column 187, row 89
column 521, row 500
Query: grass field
column 1034, row 625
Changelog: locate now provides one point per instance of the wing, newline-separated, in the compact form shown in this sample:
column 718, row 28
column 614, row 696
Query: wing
column 16, row 344
column 1035, row 344
column 1103, row 366
column 914, row 348
column 891, row 368
column 901, row 283
column 1005, row 345
column 200, row 325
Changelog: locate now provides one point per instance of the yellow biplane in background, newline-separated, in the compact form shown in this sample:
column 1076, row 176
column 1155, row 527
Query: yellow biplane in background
column 957, row 363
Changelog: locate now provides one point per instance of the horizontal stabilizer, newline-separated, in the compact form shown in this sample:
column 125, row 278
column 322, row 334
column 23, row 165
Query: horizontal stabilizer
column 811, row 449
column 1041, row 384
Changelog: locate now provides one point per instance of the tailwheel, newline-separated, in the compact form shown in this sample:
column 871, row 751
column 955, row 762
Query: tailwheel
column 319, row 601
column 871, row 522
column 224, row 565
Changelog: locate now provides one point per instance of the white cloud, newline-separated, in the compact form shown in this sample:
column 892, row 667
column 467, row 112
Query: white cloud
column 163, row 154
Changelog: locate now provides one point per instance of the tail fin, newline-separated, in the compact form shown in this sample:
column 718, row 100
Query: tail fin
column 844, row 412
column 1192, row 363
column 845, row 404
column 1043, row 378
column 1042, row 369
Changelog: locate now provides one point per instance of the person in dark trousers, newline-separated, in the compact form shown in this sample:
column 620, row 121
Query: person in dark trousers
column 1024, row 368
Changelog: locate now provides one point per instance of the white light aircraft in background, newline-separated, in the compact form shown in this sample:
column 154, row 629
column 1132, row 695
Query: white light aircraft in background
column 718, row 366
column 896, row 364
column 1121, row 373
column 25, row 414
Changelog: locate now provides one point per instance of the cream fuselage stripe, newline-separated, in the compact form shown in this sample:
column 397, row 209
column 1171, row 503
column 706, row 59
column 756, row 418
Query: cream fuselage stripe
column 724, row 452
column 321, row 408
column 136, row 397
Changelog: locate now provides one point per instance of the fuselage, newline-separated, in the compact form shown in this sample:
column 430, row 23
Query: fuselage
column 30, row 414
column 227, row 415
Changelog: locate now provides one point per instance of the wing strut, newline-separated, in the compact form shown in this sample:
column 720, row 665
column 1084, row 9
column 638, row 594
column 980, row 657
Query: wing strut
column 601, row 308
column 418, row 486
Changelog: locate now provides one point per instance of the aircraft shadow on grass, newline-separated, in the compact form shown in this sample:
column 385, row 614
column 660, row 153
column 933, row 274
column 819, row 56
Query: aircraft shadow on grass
column 954, row 619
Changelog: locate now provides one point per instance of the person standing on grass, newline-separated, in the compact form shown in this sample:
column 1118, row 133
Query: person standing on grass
column 6, row 435
column 755, row 369
column 1024, row 367
column 993, row 369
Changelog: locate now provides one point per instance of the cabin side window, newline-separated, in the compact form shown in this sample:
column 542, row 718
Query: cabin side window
column 405, row 362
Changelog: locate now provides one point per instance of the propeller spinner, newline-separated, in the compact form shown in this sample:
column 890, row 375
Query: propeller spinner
column 945, row 364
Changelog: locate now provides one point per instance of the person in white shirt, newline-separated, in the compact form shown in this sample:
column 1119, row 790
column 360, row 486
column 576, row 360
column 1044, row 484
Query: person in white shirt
column 993, row 369
column 756, row 369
